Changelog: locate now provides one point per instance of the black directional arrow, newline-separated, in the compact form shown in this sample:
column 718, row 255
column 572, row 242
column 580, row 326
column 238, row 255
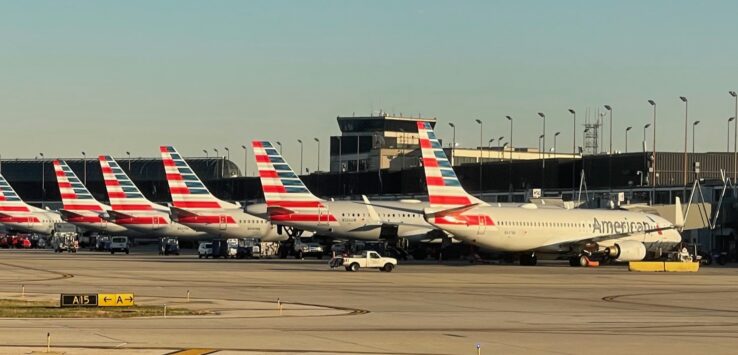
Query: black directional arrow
column 129, row 299
column 106, row 299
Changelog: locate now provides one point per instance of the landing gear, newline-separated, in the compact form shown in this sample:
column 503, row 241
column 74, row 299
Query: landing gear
column 528, row 259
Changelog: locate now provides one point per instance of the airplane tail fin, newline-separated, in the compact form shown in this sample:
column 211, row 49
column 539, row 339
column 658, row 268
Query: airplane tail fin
column 444, row 188
column 74, row 194
column 9, row 199
column 186, row 188
column 123, row 194
column 281, row 186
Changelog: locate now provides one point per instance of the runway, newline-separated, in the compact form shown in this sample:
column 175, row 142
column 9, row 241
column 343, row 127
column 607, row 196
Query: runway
column 417, row 309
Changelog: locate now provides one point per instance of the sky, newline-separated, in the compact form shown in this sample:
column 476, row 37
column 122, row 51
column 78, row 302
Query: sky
column 106, row 77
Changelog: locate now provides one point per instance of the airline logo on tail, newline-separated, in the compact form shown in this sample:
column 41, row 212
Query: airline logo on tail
column 286, row 195
column 185, row 187
column 74, row 194
column 9, row 199
column 444, row 188
column 122, row 192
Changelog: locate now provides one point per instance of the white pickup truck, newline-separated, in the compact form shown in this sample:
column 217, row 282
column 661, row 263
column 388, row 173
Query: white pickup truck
column 367, row 259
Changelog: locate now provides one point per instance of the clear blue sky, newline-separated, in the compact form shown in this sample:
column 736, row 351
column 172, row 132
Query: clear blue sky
column 106, row 77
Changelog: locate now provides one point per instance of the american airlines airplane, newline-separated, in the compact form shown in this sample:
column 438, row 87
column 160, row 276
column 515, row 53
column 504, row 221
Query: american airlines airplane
column 20, row 216
column 80, row 208
column 132, row 210
column 581, row 234
column 194, row 206
column 290, row 203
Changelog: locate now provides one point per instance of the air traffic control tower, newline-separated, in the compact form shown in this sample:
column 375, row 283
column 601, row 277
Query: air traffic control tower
column 375, row 142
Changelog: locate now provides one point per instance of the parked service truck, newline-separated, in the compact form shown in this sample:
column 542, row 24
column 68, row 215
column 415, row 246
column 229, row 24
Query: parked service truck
column 367, row 259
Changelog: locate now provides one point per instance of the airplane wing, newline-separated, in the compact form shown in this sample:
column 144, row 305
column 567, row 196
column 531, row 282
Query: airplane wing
column 578, row 243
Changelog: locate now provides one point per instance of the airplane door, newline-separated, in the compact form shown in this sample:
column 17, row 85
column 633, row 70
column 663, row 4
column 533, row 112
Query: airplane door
column 323, row 216
column 482, row 227
column 223, row 222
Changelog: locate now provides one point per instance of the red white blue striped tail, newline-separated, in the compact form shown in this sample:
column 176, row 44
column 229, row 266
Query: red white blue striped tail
column 123, row 194
column 444, row 188
column 9, row 199
column 74, row 194
column 187, row 190
column 286, row 195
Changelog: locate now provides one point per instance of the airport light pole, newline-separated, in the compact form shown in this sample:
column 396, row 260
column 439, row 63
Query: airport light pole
column 318, row 141
column 84, row 167
column 217, row 160
column 280, row 147
column 627, row 129
column 609, row 153
column 542, row 137
column 645, row 127
column 453, row 142
column 694, row 125
column 555, row 135
column 509, row 170
column 245, row 160
column 543, row 149
column 206, row 153
column 686, row 125
column 43, row 180
column 727, row 147
column 573, row 152
column 499, row 141
column 402, row 150
column 301, row 150
column 481, row 138
column 129, row 161
column 653, row 155
column 735, row 138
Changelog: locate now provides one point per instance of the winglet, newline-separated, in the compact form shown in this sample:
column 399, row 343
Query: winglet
column 679, row 218
column 372, row 212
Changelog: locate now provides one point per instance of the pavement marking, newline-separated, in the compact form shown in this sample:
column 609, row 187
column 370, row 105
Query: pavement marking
column 195, row 351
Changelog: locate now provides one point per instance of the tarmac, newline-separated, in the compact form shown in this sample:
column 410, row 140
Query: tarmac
column 420, row 308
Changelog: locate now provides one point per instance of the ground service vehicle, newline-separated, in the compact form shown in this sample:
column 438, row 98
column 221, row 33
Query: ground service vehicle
column 119, row 244
column 205, row 250
column 225, row 248
column 168, row 246
column 303, row 249
column 367, row 259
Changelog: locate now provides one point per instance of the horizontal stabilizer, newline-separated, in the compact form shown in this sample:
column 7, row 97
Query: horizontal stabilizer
column 277, row 211
column 181, row 212
column 429, row 213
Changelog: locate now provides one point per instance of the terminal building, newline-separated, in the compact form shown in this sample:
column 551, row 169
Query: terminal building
column 388, row 142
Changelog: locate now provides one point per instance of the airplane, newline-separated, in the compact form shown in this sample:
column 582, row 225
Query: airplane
column 80, row 208
column 129, row 207
column 291, row 204
column 581, row 234
column 193, row 205
column 17, row 215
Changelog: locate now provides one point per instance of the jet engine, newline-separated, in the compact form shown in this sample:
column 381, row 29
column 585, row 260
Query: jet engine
column 627, row 250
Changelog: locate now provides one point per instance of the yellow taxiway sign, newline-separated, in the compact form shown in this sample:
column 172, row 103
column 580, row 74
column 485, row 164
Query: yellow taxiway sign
column 115, row 299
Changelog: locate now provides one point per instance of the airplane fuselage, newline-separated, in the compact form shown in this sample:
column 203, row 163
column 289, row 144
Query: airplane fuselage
column 41, row 222
column 555, row 230
column 361, row 221
column 231, row 224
